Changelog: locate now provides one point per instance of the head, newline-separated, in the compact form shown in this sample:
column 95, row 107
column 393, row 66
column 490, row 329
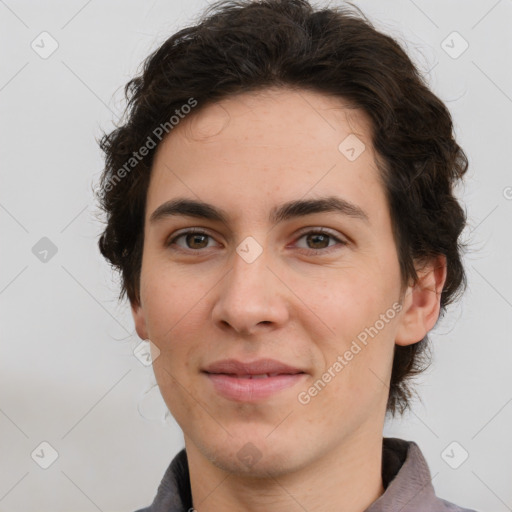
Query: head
column 256, row 128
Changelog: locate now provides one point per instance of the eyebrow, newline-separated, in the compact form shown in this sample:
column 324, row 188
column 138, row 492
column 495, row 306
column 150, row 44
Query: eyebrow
column 292, row 209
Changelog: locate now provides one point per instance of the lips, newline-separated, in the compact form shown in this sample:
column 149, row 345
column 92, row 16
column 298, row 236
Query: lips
column 260, row 376
column 252, row 381
column 261, row 367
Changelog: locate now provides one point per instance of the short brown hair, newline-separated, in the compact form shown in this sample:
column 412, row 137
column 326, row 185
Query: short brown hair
column 242, row 46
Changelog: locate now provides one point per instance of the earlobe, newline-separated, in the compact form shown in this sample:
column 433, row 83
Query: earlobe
column 422, row 303
column 140, row 321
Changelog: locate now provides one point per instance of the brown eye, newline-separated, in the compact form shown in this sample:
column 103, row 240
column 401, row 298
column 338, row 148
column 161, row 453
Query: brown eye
column 192, row 241
column 196, row 240
column 318, row 240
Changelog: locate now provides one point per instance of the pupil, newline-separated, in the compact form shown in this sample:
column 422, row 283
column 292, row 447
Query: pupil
column 319, row 238
column 193, row 238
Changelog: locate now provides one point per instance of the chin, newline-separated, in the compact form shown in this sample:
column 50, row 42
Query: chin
column 251, row 462
column 254, row 453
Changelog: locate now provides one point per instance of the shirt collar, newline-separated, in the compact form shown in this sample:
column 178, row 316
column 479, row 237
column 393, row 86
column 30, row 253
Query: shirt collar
column 405, row 476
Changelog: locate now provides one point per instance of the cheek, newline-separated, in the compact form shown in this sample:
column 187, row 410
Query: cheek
column 177, row 310
column 169, row 298
column 358, row 308
column 173, row 315
column 345, row 300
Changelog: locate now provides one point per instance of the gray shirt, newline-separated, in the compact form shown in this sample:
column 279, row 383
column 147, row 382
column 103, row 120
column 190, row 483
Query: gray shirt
column 405, row 477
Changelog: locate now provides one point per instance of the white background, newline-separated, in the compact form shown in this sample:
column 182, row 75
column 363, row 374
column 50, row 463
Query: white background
column 68, row 375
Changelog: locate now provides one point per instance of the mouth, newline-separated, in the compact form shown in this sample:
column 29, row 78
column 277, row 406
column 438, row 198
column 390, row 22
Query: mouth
column 252, row 381
column 250, row 376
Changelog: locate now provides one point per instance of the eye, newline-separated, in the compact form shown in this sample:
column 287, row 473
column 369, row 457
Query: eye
column 194, row 240
column 319, row 240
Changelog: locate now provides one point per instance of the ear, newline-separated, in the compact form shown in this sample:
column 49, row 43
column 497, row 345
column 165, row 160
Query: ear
column 422, row 303
column 139, row 320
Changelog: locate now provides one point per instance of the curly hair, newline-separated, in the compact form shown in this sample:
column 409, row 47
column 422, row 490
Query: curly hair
column 241, row 46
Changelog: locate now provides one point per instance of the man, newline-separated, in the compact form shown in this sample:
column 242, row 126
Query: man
column 279, row 203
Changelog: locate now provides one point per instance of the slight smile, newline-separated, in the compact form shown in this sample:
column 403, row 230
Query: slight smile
column 251, row 381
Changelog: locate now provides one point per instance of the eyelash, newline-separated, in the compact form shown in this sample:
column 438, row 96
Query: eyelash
column 317, row 231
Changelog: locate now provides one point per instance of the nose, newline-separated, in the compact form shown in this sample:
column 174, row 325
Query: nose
column 251, row 297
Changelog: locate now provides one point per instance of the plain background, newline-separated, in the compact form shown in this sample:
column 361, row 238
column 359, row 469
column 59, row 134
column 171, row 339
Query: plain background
column 68, row 373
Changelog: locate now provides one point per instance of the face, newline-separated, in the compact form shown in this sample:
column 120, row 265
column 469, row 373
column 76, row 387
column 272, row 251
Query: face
column 275, row 320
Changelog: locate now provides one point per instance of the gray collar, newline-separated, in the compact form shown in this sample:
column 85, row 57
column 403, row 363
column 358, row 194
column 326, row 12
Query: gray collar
column 405, row 476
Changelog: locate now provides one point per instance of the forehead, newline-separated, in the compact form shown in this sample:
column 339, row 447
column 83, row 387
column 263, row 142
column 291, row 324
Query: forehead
column 276, row 117
column 266, row 147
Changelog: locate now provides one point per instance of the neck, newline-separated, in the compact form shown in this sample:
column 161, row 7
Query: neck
column 348, row 479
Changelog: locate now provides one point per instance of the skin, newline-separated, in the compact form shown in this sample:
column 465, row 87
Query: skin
column 302, row 301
